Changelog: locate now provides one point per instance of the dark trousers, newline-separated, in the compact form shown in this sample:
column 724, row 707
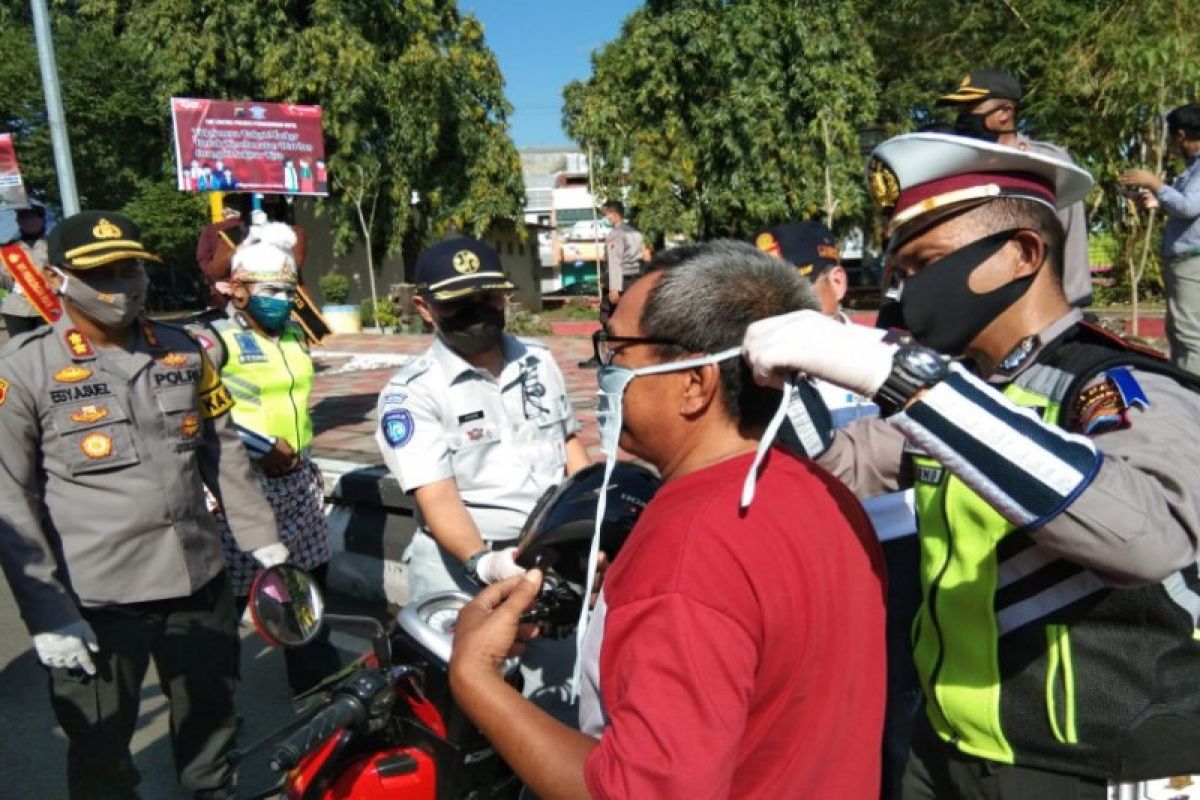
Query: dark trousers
column 607, row 306
column 308, row 665
column 194, row 643
column 938, row 771
column 903, row 558
column 18, row 325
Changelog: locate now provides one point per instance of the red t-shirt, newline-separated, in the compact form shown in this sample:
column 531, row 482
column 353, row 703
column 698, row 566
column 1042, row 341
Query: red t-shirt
column 743, row 655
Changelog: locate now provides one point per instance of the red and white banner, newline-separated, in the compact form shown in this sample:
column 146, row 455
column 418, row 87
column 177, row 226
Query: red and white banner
column 12, row 188
column 231, row 146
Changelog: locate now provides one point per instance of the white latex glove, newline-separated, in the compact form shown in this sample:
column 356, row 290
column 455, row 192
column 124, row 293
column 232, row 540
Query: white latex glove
column 271, row 555
column 498, row 565
column 847, row 355
column 68, row 647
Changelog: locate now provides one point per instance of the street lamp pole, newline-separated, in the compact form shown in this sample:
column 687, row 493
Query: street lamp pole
column 54, row 109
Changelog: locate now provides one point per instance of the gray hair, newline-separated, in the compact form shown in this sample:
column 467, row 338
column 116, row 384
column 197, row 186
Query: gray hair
column 707, row 297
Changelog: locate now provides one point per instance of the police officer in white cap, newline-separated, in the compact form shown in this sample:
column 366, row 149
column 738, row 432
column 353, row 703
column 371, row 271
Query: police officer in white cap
column 1058, row 504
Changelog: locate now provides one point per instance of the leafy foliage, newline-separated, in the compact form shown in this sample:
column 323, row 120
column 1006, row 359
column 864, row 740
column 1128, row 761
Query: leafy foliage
column 335, row 287
column 411, row 94
column 727, row 114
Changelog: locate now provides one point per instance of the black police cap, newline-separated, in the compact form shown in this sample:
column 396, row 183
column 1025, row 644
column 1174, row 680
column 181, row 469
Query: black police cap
column 807, row 245
column 92, row 239
column 457, row 267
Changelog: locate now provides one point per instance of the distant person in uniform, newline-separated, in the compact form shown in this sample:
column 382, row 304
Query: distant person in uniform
column 1180, row 201
column 810, row 248
column 988, row 105
column 19, row 314
column 623, row 252
column 110, row 427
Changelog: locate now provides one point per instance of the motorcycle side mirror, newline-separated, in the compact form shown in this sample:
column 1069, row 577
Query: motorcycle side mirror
column 286, row 606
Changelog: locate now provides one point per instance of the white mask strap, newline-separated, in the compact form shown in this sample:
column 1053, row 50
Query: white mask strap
column 764, row 444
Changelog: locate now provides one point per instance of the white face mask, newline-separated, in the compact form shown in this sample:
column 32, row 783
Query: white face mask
column 613, row 380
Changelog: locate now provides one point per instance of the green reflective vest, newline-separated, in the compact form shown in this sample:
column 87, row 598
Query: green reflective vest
column 1030, row 659
column 270, row 380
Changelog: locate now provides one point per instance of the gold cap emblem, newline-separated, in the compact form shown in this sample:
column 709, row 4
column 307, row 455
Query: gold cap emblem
column 465, row 262
column 965, row 82
column 882, row 185
column 106, row 230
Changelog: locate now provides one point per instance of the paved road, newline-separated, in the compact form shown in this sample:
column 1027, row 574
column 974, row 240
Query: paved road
column 33, row 749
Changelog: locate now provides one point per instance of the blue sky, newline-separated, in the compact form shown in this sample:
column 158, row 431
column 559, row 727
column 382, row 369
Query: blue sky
column 541, row 46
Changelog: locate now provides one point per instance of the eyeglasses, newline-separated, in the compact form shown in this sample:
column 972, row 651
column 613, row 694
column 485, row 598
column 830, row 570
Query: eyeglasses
column 602, row 339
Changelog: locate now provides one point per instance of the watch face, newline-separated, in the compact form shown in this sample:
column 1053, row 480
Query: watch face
column 924, row 364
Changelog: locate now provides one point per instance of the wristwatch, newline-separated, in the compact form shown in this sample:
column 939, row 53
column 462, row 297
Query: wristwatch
column 913, row 368
column 471, row 565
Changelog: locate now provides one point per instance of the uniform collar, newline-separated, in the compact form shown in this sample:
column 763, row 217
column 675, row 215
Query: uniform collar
column 454, row 366
column 1025, row 353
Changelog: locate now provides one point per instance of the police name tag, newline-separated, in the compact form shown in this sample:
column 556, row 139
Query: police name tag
column 249, row 351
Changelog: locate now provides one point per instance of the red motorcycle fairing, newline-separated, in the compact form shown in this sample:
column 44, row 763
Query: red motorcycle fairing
column 401, row 772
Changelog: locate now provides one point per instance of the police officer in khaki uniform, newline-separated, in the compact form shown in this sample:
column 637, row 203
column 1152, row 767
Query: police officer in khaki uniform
column 19, row 313
column 1053, row 465
column 110, row 425
column 477, row 428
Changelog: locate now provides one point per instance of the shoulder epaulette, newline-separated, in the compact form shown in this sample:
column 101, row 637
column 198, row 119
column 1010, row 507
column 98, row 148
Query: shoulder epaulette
column 413, row 369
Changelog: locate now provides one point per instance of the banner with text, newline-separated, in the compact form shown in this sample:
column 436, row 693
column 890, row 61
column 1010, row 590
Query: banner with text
column 229, row 146
column 12, row 188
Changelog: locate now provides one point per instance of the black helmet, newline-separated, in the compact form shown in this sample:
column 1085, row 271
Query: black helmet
column 557, row 537
column 558, row 534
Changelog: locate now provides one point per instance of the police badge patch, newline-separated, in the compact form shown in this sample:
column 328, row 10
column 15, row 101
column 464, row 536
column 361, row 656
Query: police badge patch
column 397, row 427
column 250, row 353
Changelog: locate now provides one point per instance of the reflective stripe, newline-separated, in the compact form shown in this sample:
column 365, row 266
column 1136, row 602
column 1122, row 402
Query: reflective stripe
column 1057, row 596
column 240, row 383
column 1185, row 598
column 1027, row 562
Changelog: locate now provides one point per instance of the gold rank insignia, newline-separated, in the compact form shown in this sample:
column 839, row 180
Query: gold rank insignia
column 78, row 344
column 466, row 262
column 148, row 334
column 3, row 391
column 767, row 242
column 882, row 184
column 106, row 230
column 189, row 426
column 89, row 414
column 72, row 373
column 97, row 445
column 173, row 360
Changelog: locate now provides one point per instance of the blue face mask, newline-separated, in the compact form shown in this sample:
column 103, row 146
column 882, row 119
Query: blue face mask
column 270, row 312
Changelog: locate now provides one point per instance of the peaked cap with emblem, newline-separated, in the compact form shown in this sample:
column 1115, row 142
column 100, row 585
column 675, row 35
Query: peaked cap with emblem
column 455, row 268
column 92, row 239
column 806, row 245
column 981, row 84
column 919, row 178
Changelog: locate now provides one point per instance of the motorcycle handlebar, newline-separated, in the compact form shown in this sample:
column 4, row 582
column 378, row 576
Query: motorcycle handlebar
column 342, row 713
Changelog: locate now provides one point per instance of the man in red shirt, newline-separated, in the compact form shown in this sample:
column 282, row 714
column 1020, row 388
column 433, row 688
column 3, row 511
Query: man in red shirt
column 740, row 650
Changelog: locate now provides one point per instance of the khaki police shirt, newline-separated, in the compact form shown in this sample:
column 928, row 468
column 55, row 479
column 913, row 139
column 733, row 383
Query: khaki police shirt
column 623, row 251
column 1138, row 518
column 503, row 441
column 102, row 456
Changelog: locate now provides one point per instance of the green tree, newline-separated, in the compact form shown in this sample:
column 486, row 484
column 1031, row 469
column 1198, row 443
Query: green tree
column 410, row 92
column 720, row 117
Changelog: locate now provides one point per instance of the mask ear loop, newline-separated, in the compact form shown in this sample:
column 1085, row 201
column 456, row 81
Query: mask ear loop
column 764, row 444
column 585, row 612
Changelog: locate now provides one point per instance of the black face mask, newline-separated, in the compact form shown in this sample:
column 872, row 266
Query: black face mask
column 475, row 328
column 975, row 126
column 942, row 312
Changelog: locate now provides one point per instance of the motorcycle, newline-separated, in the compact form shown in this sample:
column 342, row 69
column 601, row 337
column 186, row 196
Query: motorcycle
column 387, row 725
